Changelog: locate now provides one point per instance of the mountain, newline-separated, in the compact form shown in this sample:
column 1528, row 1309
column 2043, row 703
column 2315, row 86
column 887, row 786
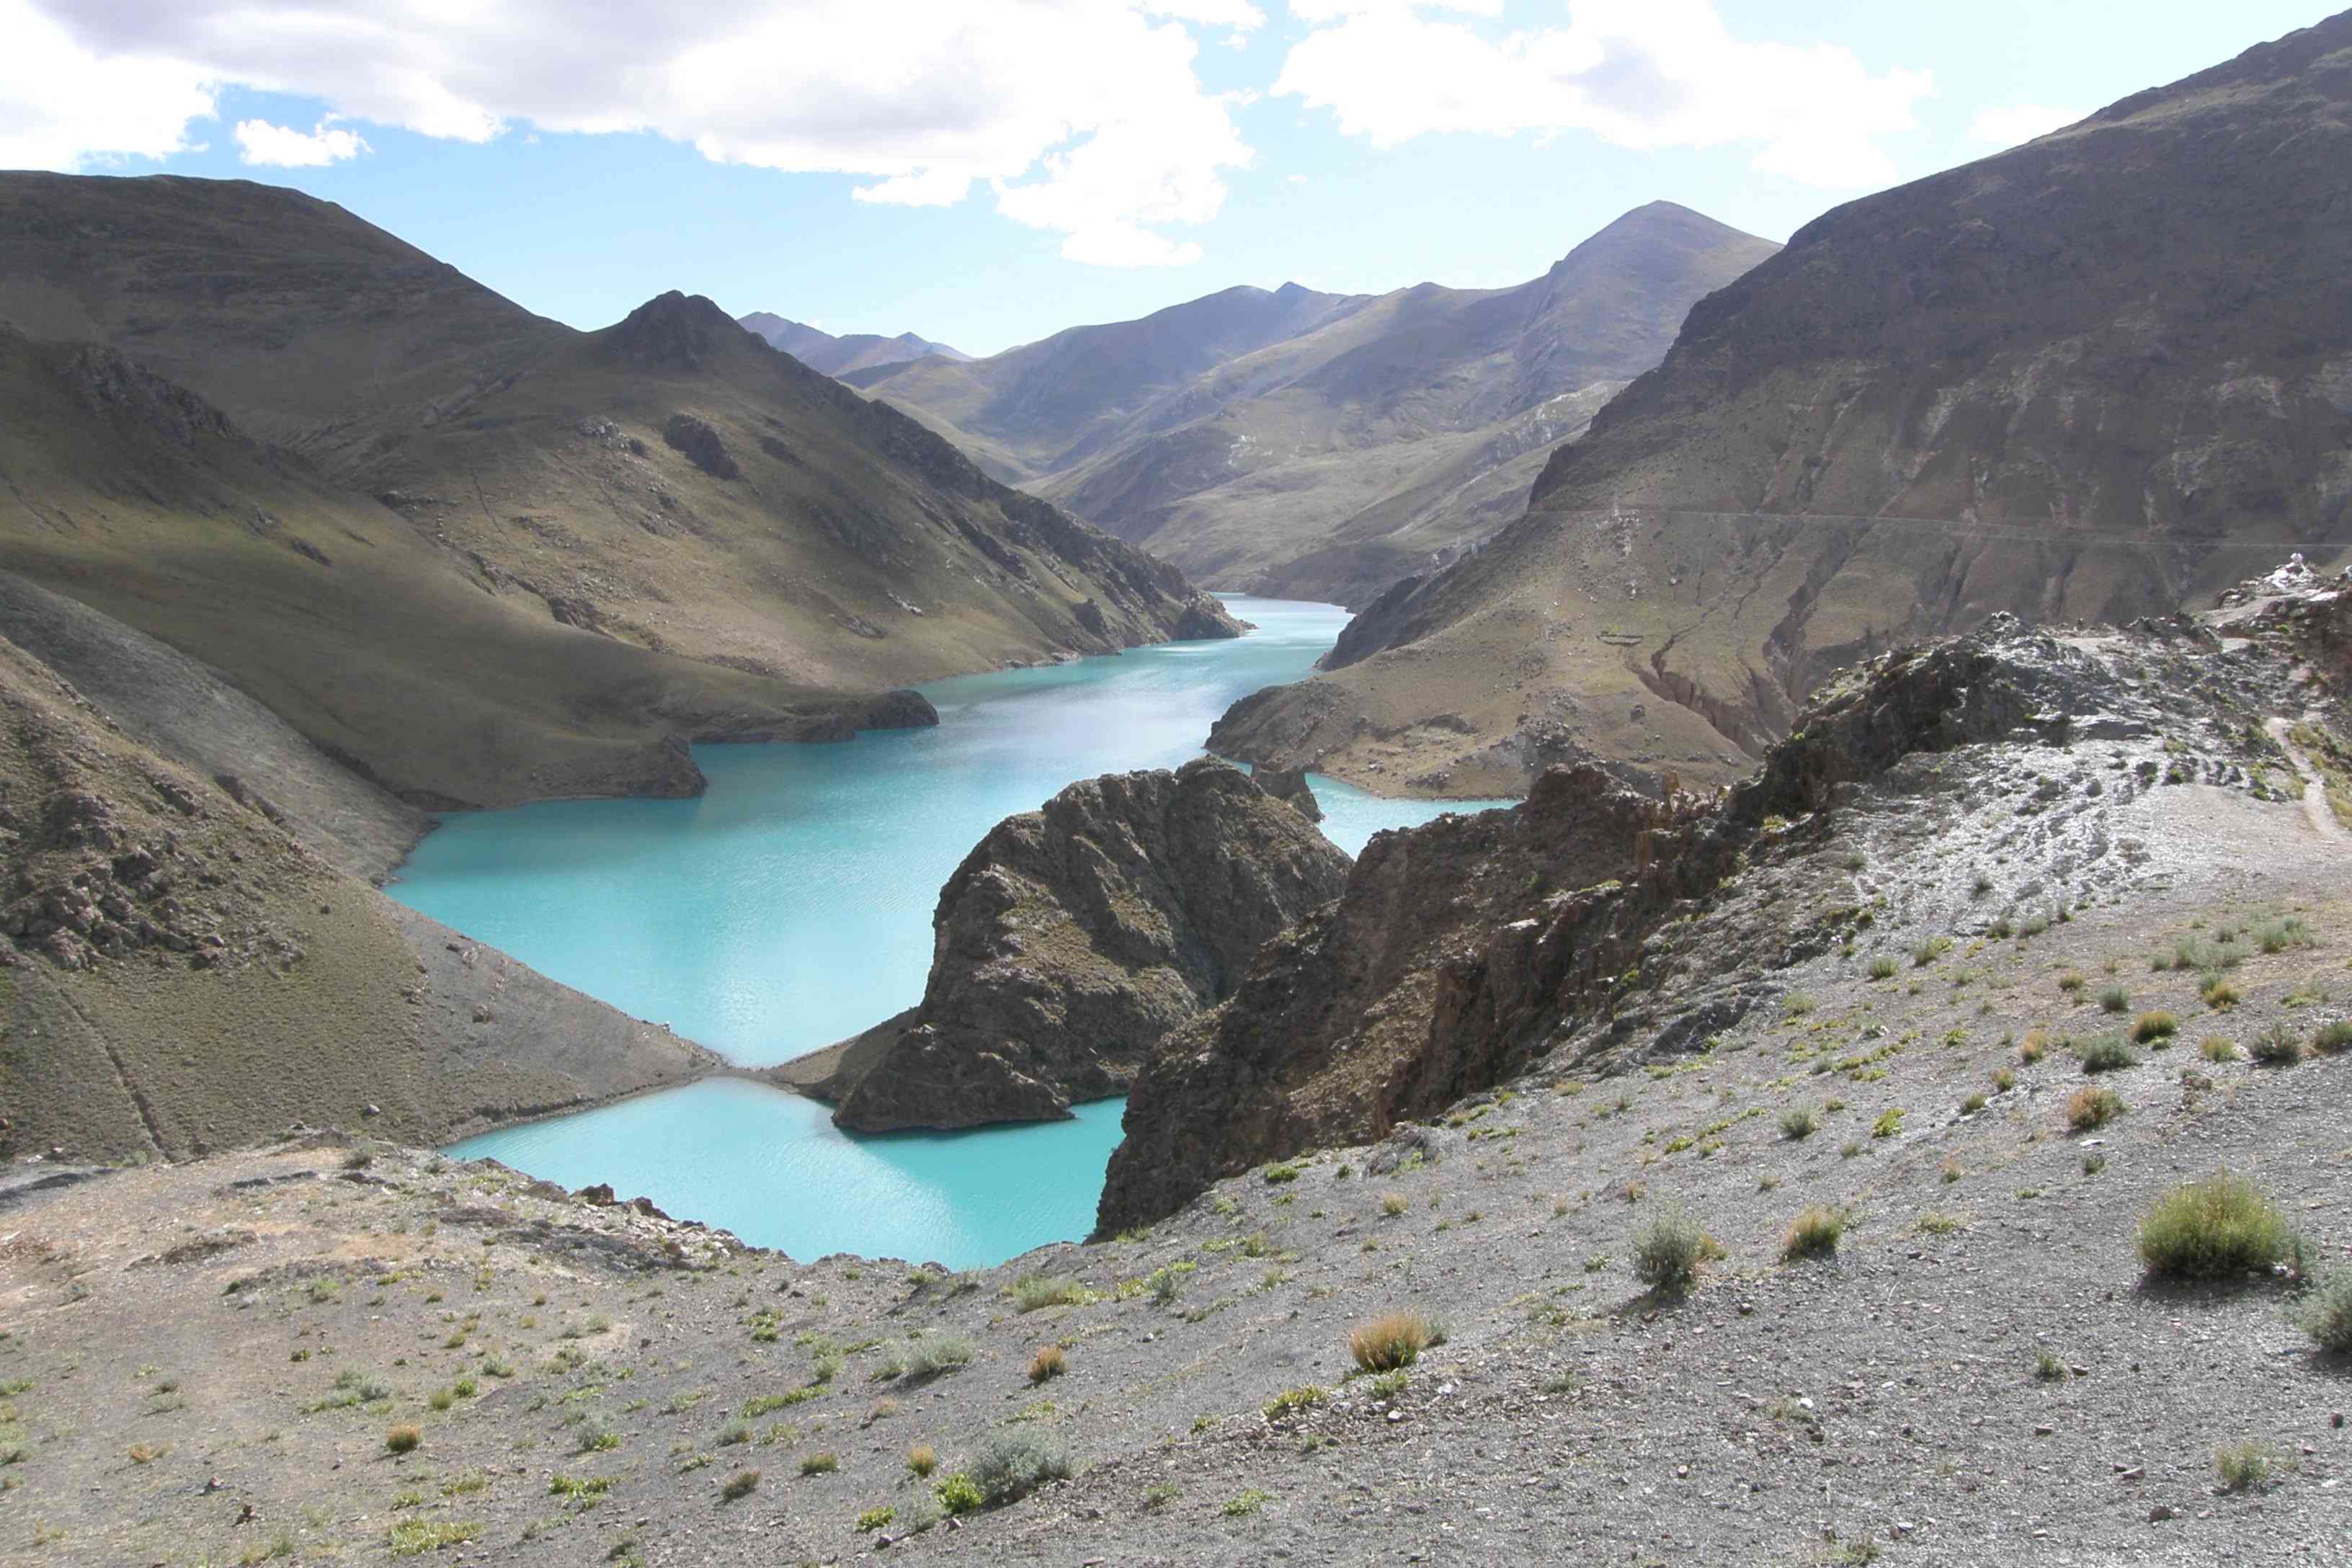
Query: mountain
column 2088, row 378
column 820, row 350
column 187, row 961
column 1332, row 445
column 483, row 556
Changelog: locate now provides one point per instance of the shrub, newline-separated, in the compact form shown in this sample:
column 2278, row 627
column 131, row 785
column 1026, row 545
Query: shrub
column 2151, row 1027
column 960, row 1493
column 2114, row 999
column 743, row 1483
column 2093, row 1105
column 2245, row 1467
column 1012, row 1464
column 2035, row 1046
column 2108, row 1054
column 1291, row 1401
column 1884, row 966
column 1798, row 1122
column 1798, row 1004
column 2333, row 1040
column 1667, row 1250
column 2048, row 1367
column 1048, row 1363
column 2220, row 995
column 1033, row 1292
column 1974, row 1103
column 2277, row 936
column 1390, row 1340
column 2220, row 1225
column 2218, row 1049
column 2071, row 983
column 1889, row 1124
column 922, row 1458
column 2327, row 1313
column 874, row 1519
column 403, row 1439
column 934, row 1355
column 1813, row 1234
column 1393, row 1203
column 2276, row 1047
column 819, row 1464
column 1928, row 951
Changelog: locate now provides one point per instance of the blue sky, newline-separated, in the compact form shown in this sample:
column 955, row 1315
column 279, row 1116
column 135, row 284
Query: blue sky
column 988, row 171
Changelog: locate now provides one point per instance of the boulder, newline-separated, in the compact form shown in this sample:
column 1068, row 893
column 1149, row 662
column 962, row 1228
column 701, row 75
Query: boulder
column 1073, row 937
column 1289, row 786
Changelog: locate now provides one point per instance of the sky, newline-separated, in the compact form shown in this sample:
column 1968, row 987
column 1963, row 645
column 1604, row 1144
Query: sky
column 987, row 172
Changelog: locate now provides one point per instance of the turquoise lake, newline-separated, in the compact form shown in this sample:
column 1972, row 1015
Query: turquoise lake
column 789, row 906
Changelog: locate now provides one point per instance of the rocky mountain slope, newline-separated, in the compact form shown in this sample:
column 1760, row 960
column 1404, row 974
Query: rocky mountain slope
column 1921, row 1326
column 181, row 970
column 282, row 441
column 1982, row 787
column 1363, row 438
column 820, row 350
column 1073, row 937
column 2095, row 376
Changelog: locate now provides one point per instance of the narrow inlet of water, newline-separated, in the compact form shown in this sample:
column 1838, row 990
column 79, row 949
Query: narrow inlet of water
column 790, row 907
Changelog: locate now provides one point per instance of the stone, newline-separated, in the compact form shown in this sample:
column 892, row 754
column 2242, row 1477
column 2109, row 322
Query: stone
column 1073, row 937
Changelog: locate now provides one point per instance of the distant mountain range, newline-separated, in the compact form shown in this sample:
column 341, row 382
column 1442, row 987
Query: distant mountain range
column 478, row 555
column 2089, row 378
column 820, row 350
column 1322, row 446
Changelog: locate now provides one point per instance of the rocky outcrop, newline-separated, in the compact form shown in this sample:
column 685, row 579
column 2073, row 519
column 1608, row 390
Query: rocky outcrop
column 1289, row 786
column 702, row 445
column 1073, row 937
column 1590, row 917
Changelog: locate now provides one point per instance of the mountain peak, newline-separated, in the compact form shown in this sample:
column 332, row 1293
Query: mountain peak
column 676, row 330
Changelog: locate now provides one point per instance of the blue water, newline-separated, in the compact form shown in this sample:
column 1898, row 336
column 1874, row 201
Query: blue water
column 790, row 907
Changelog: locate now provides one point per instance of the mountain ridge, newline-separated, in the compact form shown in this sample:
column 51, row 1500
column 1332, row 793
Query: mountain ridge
column 838, row 355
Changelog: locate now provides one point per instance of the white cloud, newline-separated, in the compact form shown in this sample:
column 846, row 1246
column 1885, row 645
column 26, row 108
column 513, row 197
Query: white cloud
column 2006, row 125
column 1085, row 117
column 65, row 107
column 283, row 147
column 1641, row 74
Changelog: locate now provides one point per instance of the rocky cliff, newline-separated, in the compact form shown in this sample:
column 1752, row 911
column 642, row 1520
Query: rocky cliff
column 1589, row 917
column 1073, row 936
column 2094, row 377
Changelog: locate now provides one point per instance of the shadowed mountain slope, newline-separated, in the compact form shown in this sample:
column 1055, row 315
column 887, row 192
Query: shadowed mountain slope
column 312, row 438
column 1376, row 437
column 2088, row 378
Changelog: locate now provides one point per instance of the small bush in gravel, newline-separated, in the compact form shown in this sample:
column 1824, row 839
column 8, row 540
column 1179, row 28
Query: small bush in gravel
column 1034, row 1292
column 2152, row 1027
column 1889, row 1124
column 958, row 1493
column 1393, row 1203
column 403, row 1439
column 819, row 1464
column 2048, row 1368
column 2071, row 983
column 2114, row 999
column 2218, row 1049
column 2220, row 1225
column 875, row 1519
column 2093, row 1105
column 1798, row 1004
column 2220, row 995
column 2246, row 1466
column 1813, row 1234
column 2333, row 1040
column 743, row 1483
column 1928, row 951
column 1798, row 1122
column 1048, row 1363
column 1012, row 1464
column 2035, row 1046
column 1391, row 1341
column 1291, row 1401
column 1884, row 966
column 2108, row 1053
column 1667, row 1250
column 1159, row 1495
column 934, row 1355
column 1973, row 1104
column 2276, row 1046
column 2277, row 936
column 2326, row 1314
column 922, row 1458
